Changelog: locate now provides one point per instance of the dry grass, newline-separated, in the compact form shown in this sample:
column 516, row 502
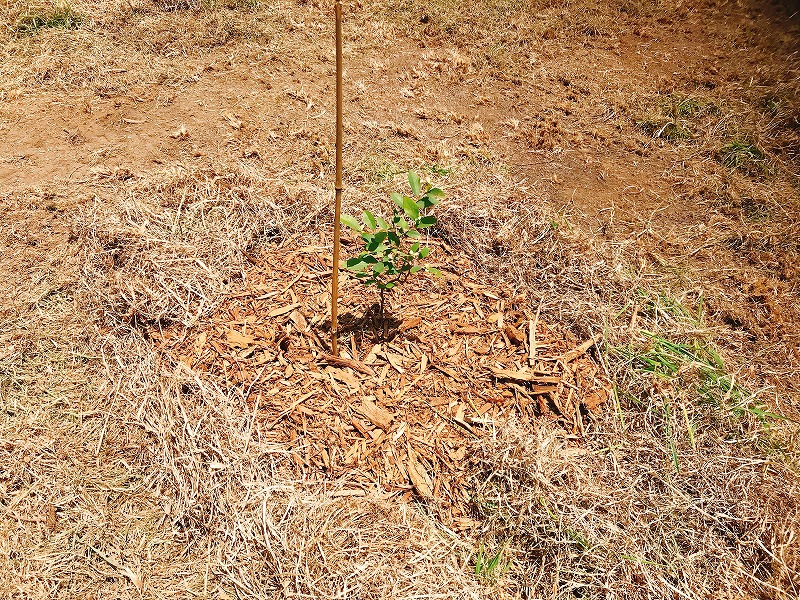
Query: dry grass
column 173, row 246
column 123, row 474
column 591, row 520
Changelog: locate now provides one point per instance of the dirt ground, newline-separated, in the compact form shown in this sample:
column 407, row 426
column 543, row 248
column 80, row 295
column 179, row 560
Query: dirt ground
column 625, row 174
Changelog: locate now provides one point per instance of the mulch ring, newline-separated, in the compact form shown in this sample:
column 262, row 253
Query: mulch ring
column 460, row 357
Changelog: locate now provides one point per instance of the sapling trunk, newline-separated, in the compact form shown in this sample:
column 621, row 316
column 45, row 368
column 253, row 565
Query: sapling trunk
column 383, row 314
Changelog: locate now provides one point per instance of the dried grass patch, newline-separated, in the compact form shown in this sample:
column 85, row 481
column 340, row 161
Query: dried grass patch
column 257, row 397
column 183, row 488
column 179, row 240
column 607, row 518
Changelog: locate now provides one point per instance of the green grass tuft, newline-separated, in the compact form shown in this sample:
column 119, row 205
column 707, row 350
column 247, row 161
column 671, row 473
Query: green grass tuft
column 61, row 17
column 669, row 131
column 671, row 118
column 772, row 104
column 687, row 107
column 490, row 567
column 754, row 211
column 665, row 359
column 743, row 155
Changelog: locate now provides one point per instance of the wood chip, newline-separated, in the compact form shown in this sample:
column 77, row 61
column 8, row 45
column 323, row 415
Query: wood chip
column 514, row 335
column 340, row 361
column 458, row 328
column 200, row 343
column 410, row 323
column 537, row 390
column 299, row 320
column 595, row 399
column 277, row 312
column 236, row 339
column 377, row 415
column 524, row 376
column 532, row 325
column 294, row 405
column 576, row 352
column 419, row 477
column 445, row 370
column 345, row 377
column 395, row 360
column 362, row 428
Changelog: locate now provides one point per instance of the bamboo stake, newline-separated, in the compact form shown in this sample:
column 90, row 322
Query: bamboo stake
column 338, row 209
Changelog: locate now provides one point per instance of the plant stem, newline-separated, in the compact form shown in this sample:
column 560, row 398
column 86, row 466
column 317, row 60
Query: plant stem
column 383, row 313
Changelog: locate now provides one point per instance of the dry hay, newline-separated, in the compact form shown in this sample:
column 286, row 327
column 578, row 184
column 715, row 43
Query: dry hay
column 601, row 518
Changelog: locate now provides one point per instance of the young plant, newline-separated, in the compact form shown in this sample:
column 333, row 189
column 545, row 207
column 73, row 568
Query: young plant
column 393, row 249
column 491, row 568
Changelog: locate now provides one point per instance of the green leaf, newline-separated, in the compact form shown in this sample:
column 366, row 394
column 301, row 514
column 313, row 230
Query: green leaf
column 381, row 223
column 433, row 271
column 416, row 269
column 379, row 238
column 356, row 264
column 397, row 199
column 378, row 268
column 369, row 219
column 414, row 234
column 350, row 222
column 424, row 252
column 431, row 198
column 415, row 247
column 428, row 221
column 413, row 181
column 410, row 208
column 403, row 224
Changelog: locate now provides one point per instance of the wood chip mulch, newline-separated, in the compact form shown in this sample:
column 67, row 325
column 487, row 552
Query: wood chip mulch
column 459, row 358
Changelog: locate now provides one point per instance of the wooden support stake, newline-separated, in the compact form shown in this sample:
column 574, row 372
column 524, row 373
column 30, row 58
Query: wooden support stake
column 338, row 187
column 532, row 324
